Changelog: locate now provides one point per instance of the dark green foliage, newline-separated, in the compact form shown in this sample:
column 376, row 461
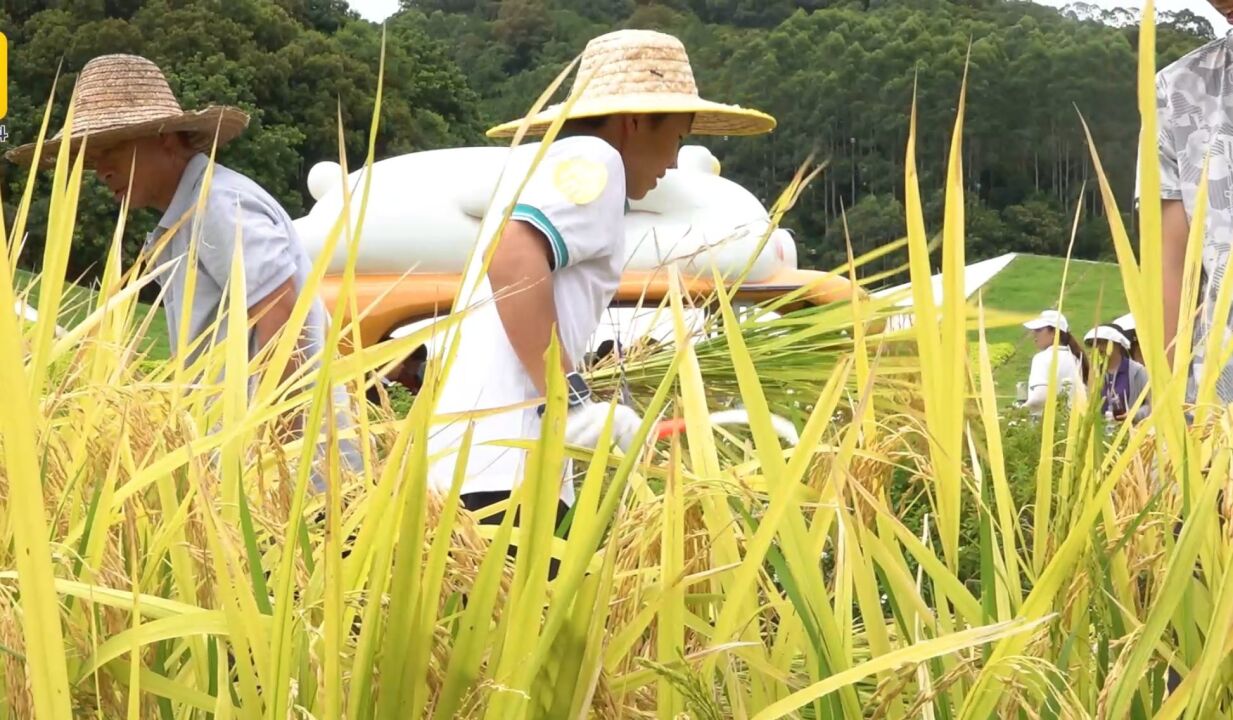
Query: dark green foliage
column 838, row 74
column 1021, row 438
column 290, row 63
column 400, row 400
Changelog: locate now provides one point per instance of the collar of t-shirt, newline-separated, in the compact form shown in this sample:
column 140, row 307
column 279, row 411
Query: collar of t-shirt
column 186, row 191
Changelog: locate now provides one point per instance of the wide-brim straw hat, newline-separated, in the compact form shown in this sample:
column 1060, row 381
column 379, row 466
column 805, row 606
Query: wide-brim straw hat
column 123, row 97
column 642, row 71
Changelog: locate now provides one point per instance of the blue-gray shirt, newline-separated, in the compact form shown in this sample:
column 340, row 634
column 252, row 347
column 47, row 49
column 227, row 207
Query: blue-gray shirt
column 272, row 255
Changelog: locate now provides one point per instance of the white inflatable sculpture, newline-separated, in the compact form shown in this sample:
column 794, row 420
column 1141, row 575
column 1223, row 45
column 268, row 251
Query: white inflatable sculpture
column 425, row 209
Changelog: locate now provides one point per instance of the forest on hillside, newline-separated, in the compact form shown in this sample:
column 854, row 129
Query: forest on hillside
column 839, row 75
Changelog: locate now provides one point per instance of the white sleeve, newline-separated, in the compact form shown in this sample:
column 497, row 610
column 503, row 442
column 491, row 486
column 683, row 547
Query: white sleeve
column 1038, row 376
column 575, row 197
column 1037, row 397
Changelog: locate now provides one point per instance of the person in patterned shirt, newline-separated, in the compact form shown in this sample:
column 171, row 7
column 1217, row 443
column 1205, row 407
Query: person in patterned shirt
column 1194, row 103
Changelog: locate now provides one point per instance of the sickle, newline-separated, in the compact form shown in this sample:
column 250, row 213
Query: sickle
column 783, row 427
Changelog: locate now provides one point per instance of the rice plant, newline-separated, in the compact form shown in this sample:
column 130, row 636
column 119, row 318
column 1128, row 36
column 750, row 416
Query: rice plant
column 162, row 556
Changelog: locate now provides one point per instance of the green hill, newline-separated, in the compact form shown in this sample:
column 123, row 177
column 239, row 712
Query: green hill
column 839, row 76
column 1032, row 283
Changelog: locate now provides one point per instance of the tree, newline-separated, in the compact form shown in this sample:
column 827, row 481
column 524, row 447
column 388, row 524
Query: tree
column 1037, row 226
column 326, row 16
column 606, row 11
column 743, row 13
column 445, row 6
column 1187, row 23
column 290, row 64
column 871, row 222
column 523, row 26
column 839, row 75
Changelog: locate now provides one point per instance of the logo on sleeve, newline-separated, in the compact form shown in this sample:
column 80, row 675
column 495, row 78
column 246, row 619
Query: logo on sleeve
column 580, row 180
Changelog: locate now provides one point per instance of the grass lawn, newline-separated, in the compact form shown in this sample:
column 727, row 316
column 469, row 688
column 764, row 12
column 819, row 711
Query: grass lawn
column 77, row 303
column 1031, row 284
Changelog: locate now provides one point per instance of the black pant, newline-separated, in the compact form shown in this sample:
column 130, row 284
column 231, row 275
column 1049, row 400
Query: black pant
column 478, row 500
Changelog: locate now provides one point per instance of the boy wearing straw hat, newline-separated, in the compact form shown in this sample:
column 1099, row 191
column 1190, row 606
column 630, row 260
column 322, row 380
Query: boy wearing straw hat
column 152, row 153
column 558, row 260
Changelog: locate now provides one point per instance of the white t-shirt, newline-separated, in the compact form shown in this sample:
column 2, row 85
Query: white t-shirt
column 1068, row 373
column 576, row 198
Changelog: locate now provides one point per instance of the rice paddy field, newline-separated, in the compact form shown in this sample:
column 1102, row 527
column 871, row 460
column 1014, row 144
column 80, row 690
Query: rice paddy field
column 161, row 555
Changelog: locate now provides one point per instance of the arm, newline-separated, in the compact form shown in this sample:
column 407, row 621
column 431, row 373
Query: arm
column 549, row 229
column 1038, row 383
column 270, row 314
column 1142, row 386
column 1036, row 398
column 1174, row 226
column 521, row 277
column 269, row 258
column 1175, row 229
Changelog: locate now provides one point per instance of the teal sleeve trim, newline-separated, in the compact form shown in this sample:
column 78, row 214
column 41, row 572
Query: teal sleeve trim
column 530, row 214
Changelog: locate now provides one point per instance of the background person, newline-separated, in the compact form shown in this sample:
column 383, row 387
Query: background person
column 146, row 149
column 1124, row 380
column 408, row 373
column 1071, row 363
column 1126, row 324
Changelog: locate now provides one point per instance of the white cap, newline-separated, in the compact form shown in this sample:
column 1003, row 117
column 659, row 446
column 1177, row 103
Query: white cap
column 1125, row 322
column 1107, row 332
column 1049, row 318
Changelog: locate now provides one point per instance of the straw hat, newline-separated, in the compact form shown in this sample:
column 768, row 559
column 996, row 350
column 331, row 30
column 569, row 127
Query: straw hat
column 122, row 97
column 641, row 71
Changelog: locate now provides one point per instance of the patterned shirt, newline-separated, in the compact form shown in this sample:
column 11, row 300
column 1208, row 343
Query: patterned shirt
column 1194, row 102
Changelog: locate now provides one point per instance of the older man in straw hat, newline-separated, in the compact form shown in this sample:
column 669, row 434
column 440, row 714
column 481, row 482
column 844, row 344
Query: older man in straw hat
column 558, row 260
column 143, row 146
